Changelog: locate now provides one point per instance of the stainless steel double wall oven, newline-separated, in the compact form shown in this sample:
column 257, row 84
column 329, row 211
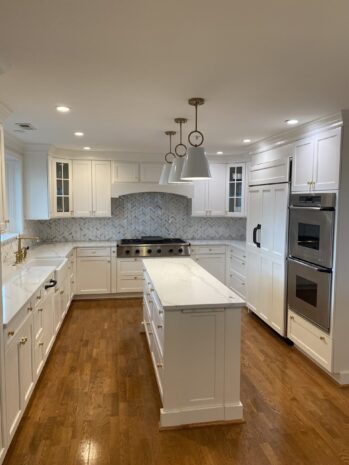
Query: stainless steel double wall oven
column 311, row 238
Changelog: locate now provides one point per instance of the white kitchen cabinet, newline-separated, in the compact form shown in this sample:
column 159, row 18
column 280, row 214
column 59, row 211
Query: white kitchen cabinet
column 235, row 186
column 91, row 188
column 93, row 271
column 125, row 171
column 210, row 195
column 316, row 162
column 48, row 333
column 3, row 203
column 237, row 270
column 19, row 374
column 150, row 172
column 212, row 258
column 61, row 188
column 129, row 275
column 266, row 252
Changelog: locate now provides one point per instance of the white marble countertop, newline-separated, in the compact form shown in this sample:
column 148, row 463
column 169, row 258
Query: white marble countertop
column 182, row 283
column 239, row 244
column 62, row 249
column 18, row 290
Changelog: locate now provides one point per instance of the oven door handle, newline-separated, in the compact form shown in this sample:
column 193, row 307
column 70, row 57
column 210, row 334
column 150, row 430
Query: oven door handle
column 319, row 209
column 312, row 267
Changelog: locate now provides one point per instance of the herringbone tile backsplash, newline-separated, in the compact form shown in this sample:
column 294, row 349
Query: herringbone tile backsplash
column 141, row 215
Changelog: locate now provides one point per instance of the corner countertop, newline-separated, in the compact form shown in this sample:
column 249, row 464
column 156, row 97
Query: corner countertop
column 240, row 244
column 63, row 249
column 182, row 283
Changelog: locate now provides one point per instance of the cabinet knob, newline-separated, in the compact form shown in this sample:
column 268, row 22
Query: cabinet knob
column 291, row 317
column 11, row 333
column 61, row 292
column 38, row 297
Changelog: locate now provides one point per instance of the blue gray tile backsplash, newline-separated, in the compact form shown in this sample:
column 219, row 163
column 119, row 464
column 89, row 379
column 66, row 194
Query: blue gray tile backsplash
column 142, row 214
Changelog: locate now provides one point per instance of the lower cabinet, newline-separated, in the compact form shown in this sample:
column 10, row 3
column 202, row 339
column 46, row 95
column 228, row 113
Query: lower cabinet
column 212, row 258
column 237, row 270
column 129, row 275
column 19, row 374
column 310, row 339
column 93, row 271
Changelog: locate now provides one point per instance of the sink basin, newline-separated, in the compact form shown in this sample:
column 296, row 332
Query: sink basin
column 61, row 265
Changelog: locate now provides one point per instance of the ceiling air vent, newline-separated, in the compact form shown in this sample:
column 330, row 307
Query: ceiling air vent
column 25, row 126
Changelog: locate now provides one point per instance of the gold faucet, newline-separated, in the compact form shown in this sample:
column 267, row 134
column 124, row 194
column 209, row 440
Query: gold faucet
column 21, row 253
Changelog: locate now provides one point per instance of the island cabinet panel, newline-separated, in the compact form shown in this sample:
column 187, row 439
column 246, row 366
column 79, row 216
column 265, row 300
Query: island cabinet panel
column 195, row 350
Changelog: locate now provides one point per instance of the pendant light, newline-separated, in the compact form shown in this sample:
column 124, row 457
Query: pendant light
column 180, row 151
column 196, row 165
column 168, row 164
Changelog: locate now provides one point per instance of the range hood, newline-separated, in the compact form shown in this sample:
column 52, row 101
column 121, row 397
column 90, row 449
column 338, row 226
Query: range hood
column 124, row 188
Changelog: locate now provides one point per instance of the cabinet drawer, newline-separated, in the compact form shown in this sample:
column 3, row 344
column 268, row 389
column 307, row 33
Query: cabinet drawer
column 93, row 252
column 207, row 249
column 310, row 339
column 237, row 284
column 130, row 284
column 14, row 325
column 238, row 265
column 132, row 266
column 158, row 364
column 238, row 253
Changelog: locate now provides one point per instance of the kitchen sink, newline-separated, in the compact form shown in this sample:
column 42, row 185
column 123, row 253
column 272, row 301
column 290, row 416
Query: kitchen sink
column 61, row 265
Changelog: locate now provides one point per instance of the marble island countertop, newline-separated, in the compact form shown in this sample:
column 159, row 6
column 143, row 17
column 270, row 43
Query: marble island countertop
column 182, row 283
column 229, row 242
column 17, row 290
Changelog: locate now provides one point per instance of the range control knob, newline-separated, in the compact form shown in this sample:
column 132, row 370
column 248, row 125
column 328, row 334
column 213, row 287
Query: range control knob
column 137, row 251
column 127, row 252
column 170, row 250
column 159, row 251
column 180, row 250
column 149, row 251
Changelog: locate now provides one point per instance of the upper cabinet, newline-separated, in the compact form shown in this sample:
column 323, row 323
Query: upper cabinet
column 236, row 186
column 316, row 162
column 223, row 194
column 91, row 188
column 61, row 188
column 3, row 205
column 125, row 171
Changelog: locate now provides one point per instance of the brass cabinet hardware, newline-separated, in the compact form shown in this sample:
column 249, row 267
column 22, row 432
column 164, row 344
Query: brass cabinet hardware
column 160, row 326
column 11, row 333
column 40, row 309
column 61, row 292
column 159, row 365
column 38, row 297
column 291, row 317
column 41, row 344
column 30, row 309
column 23, row 340
column 322, row 338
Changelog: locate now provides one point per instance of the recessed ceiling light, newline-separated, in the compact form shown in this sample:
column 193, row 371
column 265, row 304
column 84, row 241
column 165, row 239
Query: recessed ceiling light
column 219, row 153
column 291, row 122
column 246, row 141
column 87, row 148
column 78, row 133
column 63, row 109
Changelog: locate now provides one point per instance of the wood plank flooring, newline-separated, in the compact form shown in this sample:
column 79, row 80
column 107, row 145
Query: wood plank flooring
column 97, row 402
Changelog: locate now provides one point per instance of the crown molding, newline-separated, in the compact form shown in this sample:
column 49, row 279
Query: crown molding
column 12, row 144
column 5, row 112
column 299, row 132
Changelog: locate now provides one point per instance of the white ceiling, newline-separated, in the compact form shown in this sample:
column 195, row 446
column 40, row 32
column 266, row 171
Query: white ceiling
column 127, row 68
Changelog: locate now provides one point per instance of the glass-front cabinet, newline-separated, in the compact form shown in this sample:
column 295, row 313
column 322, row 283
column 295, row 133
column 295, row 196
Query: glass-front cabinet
column 61, row 187
column 236, row 199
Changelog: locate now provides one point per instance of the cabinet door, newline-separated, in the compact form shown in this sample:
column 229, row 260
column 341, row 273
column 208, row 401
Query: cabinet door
column 302, row 168
column 13, row 403
column 254, row 216
column 253, row 280
column 151, row 172
column 216, row 190
column 200, row 200
column 61, row 187
column 326, row 160
column 26, row 365
column 236, row 187
column 82, row 188
column 101, row 188
column 214, row 264
column 57, row 310
column 48, row 324
column 125, row 172
column 93, row 275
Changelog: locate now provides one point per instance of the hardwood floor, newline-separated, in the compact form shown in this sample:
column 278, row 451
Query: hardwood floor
column 97, row 402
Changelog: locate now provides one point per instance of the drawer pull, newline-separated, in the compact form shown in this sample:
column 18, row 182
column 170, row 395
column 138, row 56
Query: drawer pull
column 30, row 309
column 160, row 326
column 291, row 317
column 151, row 289
column 41, row 344
column 322, row 338
column 150, row 301
column 11, row 333
column 40, row 309
column 161, row 312
column 61, row 292
column 150, row 333
column 38, row 297
column 23, row 340
column 159, row 365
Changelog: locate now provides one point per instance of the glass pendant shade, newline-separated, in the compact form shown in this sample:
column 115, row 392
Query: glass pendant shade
column 196, row 165
column 176, row 171
column 165, row 173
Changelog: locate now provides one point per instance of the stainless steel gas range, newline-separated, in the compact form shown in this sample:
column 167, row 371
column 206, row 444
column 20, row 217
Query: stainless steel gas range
column 153, row 246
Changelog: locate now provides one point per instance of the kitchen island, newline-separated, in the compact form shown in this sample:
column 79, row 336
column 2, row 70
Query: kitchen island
column 192, row 324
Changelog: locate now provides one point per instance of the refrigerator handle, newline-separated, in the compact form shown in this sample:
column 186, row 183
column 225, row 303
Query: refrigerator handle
column 258, row 228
